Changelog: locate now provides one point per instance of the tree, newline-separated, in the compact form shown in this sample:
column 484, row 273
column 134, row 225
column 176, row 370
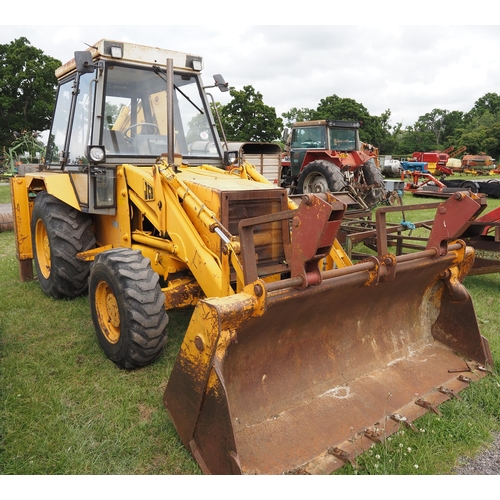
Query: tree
column 247, row 118
column 27, row 89
column 341, row 108
column 432, row 122
column 415, row 139
column 297, row 115
column 453, row 121
column 489, row 102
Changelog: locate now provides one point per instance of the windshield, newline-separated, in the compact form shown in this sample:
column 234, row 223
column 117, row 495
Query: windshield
column 135, row 114
column 308, row 138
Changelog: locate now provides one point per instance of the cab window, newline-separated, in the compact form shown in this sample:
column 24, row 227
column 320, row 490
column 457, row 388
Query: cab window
column 308, row 138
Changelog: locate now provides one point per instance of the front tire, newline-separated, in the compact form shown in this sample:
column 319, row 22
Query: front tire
column 59, row 232
column 128, row 308
column 321, row 176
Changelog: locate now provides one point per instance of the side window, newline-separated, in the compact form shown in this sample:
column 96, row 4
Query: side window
column 80, row 134
column 57, row 137
column 80, row 131
column 308, row 138
column 343, row 139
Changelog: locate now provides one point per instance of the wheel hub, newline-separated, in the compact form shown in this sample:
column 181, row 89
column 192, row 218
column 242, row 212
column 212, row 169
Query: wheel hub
column 108, row 312
column 42, row 248
column 315, row 184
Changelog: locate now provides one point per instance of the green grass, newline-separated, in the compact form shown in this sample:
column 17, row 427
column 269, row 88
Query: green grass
column 4, row 192
column 66, row 409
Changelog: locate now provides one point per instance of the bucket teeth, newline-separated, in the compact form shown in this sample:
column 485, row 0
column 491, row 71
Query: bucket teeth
column 428, row 406
column 449, row 392
column 403, row 420
column 342, row 455
column 373, row 435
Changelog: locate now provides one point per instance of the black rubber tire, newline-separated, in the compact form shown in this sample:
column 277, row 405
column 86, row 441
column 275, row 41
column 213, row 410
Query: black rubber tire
column 321, row 176
column 373, row 176
column 473, row 186
column 128, row 308
column 59, row 232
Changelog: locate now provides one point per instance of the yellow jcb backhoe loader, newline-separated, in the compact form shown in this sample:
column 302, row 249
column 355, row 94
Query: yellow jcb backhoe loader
column 295, row 359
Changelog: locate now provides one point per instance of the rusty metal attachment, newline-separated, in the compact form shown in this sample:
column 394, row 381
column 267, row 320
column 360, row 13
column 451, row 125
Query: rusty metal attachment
column 449, row 392
column 308, row 379
column 374, row 435
column 400, row 419
column 428, row 406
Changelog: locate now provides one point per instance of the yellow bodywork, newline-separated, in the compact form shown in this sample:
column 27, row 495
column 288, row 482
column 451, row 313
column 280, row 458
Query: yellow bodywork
column 182, row 205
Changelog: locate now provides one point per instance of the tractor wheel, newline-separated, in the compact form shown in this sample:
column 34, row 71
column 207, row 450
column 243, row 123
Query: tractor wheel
column 374, row 176
column 473, row 186
column 128, row 308
column 59, row 232
column 321, row 176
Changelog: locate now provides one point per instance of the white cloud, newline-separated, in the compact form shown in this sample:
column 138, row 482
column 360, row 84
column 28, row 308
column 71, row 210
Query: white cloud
column 383, row 65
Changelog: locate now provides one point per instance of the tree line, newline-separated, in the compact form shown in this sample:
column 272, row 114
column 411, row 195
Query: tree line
column 28, row 86
column 478, row 129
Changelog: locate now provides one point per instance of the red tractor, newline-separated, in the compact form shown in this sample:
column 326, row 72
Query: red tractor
column 328, row 156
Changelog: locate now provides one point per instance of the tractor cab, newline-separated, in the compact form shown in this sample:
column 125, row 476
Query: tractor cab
column 330, row 135
column 111, row 109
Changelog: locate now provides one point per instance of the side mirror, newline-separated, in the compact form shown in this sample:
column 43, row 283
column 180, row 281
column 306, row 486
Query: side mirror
column 221, row 83
column 84, row 63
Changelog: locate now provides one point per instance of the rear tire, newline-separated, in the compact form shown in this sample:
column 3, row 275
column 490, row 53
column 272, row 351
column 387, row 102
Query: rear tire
column 374, row 177
column 128, row 308
column 321, row 176
column 59, row 232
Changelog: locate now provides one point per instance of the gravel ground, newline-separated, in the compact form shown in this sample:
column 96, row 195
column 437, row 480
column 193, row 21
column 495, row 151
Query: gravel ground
column 486, row 463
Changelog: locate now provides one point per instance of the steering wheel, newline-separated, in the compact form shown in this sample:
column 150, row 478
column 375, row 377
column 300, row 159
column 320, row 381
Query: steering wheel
column 145, row 124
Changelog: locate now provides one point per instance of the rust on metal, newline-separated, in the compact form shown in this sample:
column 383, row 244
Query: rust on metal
column 428, row 406
column 310, row 246
column 449, row 392
column 400, row 419
column 374, row 435
column 318, row 371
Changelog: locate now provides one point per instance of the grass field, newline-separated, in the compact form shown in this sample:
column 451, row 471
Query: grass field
column 66, row 409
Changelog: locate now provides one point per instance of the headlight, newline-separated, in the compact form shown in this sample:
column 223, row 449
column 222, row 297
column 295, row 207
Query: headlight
column 96, row 154
column 230, row 158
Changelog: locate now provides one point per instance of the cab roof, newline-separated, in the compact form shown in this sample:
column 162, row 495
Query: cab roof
column 133, row 53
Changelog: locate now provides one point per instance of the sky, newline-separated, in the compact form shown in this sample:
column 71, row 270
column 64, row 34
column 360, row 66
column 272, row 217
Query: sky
column 378, row 60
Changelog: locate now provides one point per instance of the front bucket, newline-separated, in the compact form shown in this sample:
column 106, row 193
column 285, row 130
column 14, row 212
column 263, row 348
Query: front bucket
column 303, row 380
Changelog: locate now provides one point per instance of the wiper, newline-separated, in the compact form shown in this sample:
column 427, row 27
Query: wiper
column 163, row 75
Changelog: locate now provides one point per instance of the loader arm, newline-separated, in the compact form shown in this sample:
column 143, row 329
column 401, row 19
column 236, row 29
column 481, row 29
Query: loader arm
column 171, row 208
